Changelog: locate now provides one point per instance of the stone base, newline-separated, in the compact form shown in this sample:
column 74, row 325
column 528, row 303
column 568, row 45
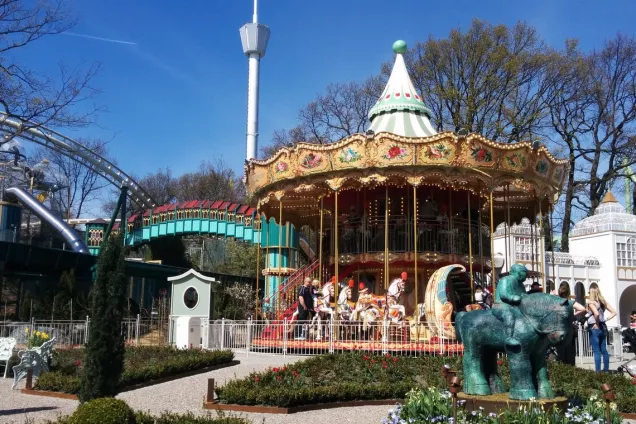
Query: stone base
column 497, row 402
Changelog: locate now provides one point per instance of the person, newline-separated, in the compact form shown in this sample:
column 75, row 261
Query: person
column 509, row 292
column 597, row 328
column 632, row 320
column 535, row 288
column 566, row 351
column 305, row 304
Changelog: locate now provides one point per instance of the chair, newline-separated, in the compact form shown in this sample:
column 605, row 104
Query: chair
column 6, row 351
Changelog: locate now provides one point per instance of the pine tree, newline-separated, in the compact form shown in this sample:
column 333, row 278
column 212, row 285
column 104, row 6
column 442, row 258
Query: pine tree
column 104, row 352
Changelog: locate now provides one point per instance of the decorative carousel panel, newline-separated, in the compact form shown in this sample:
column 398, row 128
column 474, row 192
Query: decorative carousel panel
column 282, row 168
column 259, row 177
column 478, row 153
column 559, row 174
column 350, row 156
column 441, row 152
column 311, row 162
column 390, row 153
column 516, row 160
column 542, row 166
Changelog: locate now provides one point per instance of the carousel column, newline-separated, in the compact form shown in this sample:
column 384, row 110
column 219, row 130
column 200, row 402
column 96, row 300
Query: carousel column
column 481, row 242
column 336, row 254
column 541, row 245
column 320, row 241
column 554, row 276
column 508, row 220
column 258, row 263
column 493, row 274
column 532, row 238
column 415, row 250
column 386, row 238
column 279, row 286
column 506, row 229
column 470, row 250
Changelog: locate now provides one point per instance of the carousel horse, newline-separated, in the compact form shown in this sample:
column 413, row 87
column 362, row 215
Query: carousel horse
column 368, row 310
column 324, row 313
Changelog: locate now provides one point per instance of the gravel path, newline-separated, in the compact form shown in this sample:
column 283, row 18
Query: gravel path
column 181, row 395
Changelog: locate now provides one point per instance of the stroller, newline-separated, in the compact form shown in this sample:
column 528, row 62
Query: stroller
column 629, row 367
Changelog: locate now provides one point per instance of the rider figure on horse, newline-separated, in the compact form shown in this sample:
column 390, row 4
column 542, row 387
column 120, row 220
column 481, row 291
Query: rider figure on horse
column 510, row 290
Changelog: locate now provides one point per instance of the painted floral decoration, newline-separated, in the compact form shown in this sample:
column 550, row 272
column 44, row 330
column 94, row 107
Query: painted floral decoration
column 311, row 161
column 542, row 167
column 438, row 151
column 480, row 154
column 395, row 152
column 349, row 155
column 516, row 160
column 282, row 167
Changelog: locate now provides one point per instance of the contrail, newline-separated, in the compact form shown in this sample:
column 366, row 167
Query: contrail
column 91, row 37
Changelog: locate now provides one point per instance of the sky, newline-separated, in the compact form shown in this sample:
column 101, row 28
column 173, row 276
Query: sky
column 174, row 77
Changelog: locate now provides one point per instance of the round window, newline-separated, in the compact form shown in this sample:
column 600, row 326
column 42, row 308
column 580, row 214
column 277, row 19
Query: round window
column 191, row 298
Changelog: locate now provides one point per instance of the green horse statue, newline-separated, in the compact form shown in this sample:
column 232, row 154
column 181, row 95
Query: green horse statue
column 532, row 322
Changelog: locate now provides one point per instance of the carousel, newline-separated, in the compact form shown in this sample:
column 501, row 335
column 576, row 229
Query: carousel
column 402, row 218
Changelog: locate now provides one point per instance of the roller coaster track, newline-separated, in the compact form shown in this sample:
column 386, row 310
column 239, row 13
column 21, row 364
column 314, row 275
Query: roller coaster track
column 76, row 151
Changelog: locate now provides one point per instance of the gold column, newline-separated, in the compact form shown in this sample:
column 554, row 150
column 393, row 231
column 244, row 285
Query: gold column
column 532, row 224
column 470, row 250
column 510, row 252
column 541, row 242
column 258, row 262
column 415, row 244
column 451, row 234
column 492, row 248
column 481, row 241
column 320, row 242
column 386, row 237
column 280, row 255
column 506, row 229
column 554, row 276
column 336, row 285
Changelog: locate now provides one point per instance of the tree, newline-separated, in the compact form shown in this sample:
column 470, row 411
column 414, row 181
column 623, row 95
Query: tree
column 30, row 96
column 80, row 185
column 487, row 79
column 239, row 259
column 104, row 352
column 341, row 111
column 592, row 114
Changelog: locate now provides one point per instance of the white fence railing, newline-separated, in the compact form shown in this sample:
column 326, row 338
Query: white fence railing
column 284, row 337
column 71, row 334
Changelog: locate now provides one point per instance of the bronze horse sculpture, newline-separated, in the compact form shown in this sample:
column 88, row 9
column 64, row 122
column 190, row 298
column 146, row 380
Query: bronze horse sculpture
column 537, row 320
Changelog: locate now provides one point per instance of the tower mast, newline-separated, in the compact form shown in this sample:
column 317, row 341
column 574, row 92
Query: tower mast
column 254, row 37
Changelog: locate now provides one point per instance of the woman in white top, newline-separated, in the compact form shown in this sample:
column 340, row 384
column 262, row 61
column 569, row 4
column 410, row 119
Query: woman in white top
column 597, row 328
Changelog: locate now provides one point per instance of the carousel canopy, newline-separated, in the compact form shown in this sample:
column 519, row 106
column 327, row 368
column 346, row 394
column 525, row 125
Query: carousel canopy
column 400, row 110
column 404, row 151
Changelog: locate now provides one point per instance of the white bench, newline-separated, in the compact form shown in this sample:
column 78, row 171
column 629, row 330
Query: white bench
column 36, row 359
column 6, row 351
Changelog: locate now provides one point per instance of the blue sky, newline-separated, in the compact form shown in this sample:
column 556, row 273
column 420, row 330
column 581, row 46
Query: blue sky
column 178, row 95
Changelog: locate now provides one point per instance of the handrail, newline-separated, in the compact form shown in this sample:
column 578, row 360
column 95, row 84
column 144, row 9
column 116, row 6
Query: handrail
column 299, row 275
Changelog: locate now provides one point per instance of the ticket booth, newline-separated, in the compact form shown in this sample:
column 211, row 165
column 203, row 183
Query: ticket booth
column 192, row 306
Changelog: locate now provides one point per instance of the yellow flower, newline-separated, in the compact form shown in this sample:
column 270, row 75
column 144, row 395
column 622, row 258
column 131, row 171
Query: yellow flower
column 45, row 336
column 26, row 330
column 37, row 333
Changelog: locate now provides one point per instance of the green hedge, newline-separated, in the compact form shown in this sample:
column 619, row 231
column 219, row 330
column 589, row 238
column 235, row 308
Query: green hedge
column 355, row 376
column 141, row 364
column 115, row 411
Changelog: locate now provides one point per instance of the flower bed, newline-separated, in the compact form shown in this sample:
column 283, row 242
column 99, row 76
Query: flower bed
column 141, row 365
column 435, row 406
column 356, row 376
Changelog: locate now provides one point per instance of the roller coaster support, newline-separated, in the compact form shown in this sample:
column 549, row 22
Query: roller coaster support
column 121, row 204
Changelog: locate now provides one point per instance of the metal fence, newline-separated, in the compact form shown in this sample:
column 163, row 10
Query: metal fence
column 291, row 337
column 73, row 334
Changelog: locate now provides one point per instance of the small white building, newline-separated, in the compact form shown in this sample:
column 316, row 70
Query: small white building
column 602, row 252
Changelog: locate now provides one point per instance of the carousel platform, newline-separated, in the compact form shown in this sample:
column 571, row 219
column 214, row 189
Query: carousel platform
column 326, row 345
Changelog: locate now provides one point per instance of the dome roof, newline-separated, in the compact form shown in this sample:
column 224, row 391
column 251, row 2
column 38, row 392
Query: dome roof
column 608, row 216
column 400, row 110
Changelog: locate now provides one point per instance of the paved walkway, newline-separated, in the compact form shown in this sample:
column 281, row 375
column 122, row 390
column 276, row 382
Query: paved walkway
column 181, row 395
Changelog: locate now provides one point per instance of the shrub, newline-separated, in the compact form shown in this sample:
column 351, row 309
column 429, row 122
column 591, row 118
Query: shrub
column 141, row 364
column 188, row 418
column 103, row 411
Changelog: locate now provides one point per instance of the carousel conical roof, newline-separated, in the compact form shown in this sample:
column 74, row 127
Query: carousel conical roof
column 400, row 110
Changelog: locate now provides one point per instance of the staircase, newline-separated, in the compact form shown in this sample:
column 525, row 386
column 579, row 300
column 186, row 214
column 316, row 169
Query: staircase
column 288, row 290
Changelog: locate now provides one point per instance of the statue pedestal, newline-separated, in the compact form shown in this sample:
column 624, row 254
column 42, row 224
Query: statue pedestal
column 497, row 402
